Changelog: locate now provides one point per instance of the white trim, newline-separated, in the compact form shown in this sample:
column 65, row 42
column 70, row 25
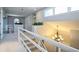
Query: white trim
column 1, row 23
column 24, row 44
column 39, row 47
column 20, row 41
column 15, row 15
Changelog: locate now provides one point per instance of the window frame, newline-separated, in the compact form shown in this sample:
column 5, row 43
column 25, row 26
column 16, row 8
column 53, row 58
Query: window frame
column 61, row 10
column 47, row 11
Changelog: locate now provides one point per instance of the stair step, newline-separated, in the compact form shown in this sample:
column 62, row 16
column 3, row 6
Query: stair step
column 31, row 47
column 35, row 50
column 26, row 41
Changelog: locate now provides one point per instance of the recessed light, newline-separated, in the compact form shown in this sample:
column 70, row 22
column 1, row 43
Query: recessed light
column 22, row 9
column 35, row 9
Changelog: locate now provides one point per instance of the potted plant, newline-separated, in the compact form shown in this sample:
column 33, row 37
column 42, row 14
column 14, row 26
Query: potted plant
column 36, row 26
column 38, row 23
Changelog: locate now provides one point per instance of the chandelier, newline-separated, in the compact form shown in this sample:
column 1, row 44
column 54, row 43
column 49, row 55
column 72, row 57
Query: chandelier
column 57, row 37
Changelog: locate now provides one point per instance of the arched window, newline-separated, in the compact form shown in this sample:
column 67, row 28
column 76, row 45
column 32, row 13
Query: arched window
column 16, row 20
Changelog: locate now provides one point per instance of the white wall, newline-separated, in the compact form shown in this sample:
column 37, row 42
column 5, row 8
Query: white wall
column 28, row 23
column 1, row 23
column 39, row 16
column 64, row 16
column 67, row 22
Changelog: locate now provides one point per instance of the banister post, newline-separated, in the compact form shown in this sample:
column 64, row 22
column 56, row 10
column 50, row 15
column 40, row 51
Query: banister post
column 18, row 34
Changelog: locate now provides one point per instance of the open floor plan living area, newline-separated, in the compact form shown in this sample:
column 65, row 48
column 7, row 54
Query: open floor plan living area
column 39, row 29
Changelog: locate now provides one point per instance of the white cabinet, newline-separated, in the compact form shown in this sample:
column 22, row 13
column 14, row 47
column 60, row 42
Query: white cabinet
column 16, row 26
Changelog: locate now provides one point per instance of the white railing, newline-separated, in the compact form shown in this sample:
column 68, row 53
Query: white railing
column 27, row 38
column 51, row 42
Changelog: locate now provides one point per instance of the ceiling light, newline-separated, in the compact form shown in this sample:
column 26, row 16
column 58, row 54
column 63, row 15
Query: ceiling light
column 22, row 9
column 35, row 9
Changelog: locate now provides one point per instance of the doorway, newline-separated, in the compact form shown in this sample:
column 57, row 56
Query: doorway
column 10, row 24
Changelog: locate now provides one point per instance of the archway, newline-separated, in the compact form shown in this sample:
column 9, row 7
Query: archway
column 16, row 20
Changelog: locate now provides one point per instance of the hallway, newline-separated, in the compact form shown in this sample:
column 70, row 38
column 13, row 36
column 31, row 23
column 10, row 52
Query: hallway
column 10, row 43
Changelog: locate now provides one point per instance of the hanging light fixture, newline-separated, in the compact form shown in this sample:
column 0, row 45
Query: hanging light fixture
column 57, row 37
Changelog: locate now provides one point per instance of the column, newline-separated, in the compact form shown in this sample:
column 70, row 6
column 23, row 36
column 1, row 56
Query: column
column 53, row 10
column 1, row 23
column 69, row 9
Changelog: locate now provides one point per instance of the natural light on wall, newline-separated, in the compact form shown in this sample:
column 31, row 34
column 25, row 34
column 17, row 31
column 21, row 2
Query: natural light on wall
column 59, row 10
column 48, row 12
column 74, row 8
column 16, row 20
column 54, row 11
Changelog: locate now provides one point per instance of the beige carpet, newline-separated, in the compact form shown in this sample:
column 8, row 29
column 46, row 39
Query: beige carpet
column 10, row 43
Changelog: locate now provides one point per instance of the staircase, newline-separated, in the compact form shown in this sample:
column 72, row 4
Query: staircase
column 31, row 45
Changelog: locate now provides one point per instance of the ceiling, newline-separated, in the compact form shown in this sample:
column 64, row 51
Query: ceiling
column 21, row 11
